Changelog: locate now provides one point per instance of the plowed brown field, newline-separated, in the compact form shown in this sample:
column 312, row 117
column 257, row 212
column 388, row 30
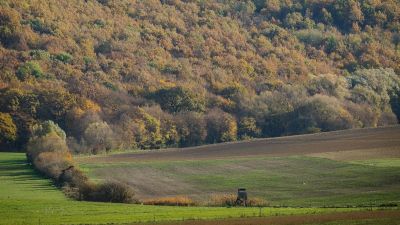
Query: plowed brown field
column 383, row 141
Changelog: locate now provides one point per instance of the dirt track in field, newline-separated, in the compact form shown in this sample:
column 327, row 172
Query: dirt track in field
column 382, row 141
column 393, row 217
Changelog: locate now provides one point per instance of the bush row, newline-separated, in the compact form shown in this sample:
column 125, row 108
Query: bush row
column 49, row 154
column 171, row 201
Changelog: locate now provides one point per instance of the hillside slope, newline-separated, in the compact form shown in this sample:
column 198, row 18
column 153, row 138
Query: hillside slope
column 151, row 74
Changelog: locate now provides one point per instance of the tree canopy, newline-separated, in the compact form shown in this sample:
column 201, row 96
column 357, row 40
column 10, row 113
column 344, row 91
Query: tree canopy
column 152, row 74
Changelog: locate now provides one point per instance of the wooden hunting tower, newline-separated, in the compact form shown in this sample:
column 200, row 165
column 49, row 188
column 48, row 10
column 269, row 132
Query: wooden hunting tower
column 241, row 197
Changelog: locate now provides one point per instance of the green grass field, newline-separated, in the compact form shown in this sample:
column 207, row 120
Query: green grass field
column 299, row 181
column 27, row 198
column 332, row 219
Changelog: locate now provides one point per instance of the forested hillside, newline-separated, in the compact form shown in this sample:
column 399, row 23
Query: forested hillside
column 157, row 73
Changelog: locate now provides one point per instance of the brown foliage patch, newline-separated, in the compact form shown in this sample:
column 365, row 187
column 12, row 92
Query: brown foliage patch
column 51, row 164
column 229, row 200
column 223, row 200
column 171, row 201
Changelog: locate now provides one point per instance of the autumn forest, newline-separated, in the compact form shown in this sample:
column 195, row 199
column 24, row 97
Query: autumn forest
column 150, row 74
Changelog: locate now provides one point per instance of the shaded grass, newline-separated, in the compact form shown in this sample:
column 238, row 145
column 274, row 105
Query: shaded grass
column 283, row 181
column 26, row 198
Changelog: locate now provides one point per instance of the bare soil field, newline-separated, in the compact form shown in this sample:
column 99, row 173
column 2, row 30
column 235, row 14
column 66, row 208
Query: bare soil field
column 375, row 217
column 384, row 142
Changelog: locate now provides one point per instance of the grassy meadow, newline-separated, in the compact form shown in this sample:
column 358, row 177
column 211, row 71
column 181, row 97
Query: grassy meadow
column 27, row 198
column 296, row 181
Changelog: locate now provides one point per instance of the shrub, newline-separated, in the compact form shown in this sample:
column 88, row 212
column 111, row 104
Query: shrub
column 10, row 27
column 52, row 164
column 229, row 200
column 248, row 128
column 375, row 87
column 311, row 37
column 38, row 54
column 192, row 129
column 170, row 201
column 110, row 86
column 178, row 99
column 72, row 177
column 224, row 200
column 28, row 69
column 103, row 2
column 327, row 85
column 116, row 192
column 8, row 129
column 63, row 57
column 46, row 137
column 48, row 127
column 387, row 118
column 110, row 191
column 363, row 115
column 257, row 202
column 323, row 112
column 98, row 137
column 48, row 151
column 71, row 192
column 99, row 23
column 221, row 127
column 294, row 20
column 395, row 104
column 85, row 190
column 41, row 27
column 148, row 132
column 104, row 48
